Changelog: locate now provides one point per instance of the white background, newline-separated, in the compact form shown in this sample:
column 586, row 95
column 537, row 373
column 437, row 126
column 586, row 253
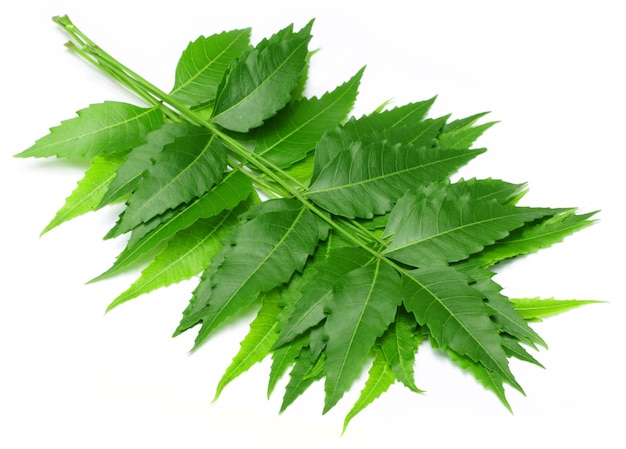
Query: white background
column 551, row 72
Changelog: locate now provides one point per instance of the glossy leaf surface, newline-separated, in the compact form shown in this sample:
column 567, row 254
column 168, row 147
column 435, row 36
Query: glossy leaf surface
column 101, row 129
column 347, row 236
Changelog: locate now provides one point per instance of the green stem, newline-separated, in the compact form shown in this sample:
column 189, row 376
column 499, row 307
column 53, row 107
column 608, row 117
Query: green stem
column 156, row 97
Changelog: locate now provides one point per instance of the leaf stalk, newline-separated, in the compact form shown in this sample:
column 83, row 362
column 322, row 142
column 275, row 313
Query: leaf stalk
column 94, row 54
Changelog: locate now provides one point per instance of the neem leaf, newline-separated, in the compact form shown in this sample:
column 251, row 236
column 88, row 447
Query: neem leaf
column 318, row 286
column 461, row 133
column 101, row 129
column 380, row 378
column 232, row 190
column 456, row 316
column 260, row 83
column 188, row 253
column 203, row 64
column 139, row 159
column 347, row 234
column 257, row 344
column 540, row 234
column 89, row 191
column 355, row 130
column 365, row 179
column 275, row 240
column 185, row 169
column 363, row 305
column 307, row 369
column 538, row 308
column 399, row 345
column 293, row 133
column 435, row 225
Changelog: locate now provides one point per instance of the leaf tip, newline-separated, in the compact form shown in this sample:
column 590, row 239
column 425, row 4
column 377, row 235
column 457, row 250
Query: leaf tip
column 110, row 307
column 218, row 392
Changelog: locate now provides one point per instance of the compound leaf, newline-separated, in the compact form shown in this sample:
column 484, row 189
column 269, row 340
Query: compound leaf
column 345, row 233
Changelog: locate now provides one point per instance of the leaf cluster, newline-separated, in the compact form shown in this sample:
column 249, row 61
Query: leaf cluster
column 346, row 235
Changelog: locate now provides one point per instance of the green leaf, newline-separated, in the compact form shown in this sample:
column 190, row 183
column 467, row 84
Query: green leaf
column 538, row 308
column 399, row 345
column 380, row 378
column 283, row 358
column 362, row 246
column 101, row 129
column 203, row 64
column 257, row 344
column 139, row 159
column 86, row 197
column 318, row 285
column 535, row 236
column 500, row 308
column 366, row 180
column 488, row 189
column 362, row 307
column 435, row 225
column 293, row 133
column 456, row 316
column 188, row 253
column 260, row 83
column 305, row 372
column 489, row 379
column 358, row 130
column 513, row 348
column 233, row 189
column 185, row 169
column 272, row 243
column 461, row 134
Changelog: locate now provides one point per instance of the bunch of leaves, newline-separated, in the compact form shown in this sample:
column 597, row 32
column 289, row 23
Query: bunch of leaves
column 345, row 235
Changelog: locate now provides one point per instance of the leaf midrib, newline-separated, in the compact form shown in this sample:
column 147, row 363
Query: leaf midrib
column 359, row 322
column 460, row 228
column 383, row 176
column 99, row 130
